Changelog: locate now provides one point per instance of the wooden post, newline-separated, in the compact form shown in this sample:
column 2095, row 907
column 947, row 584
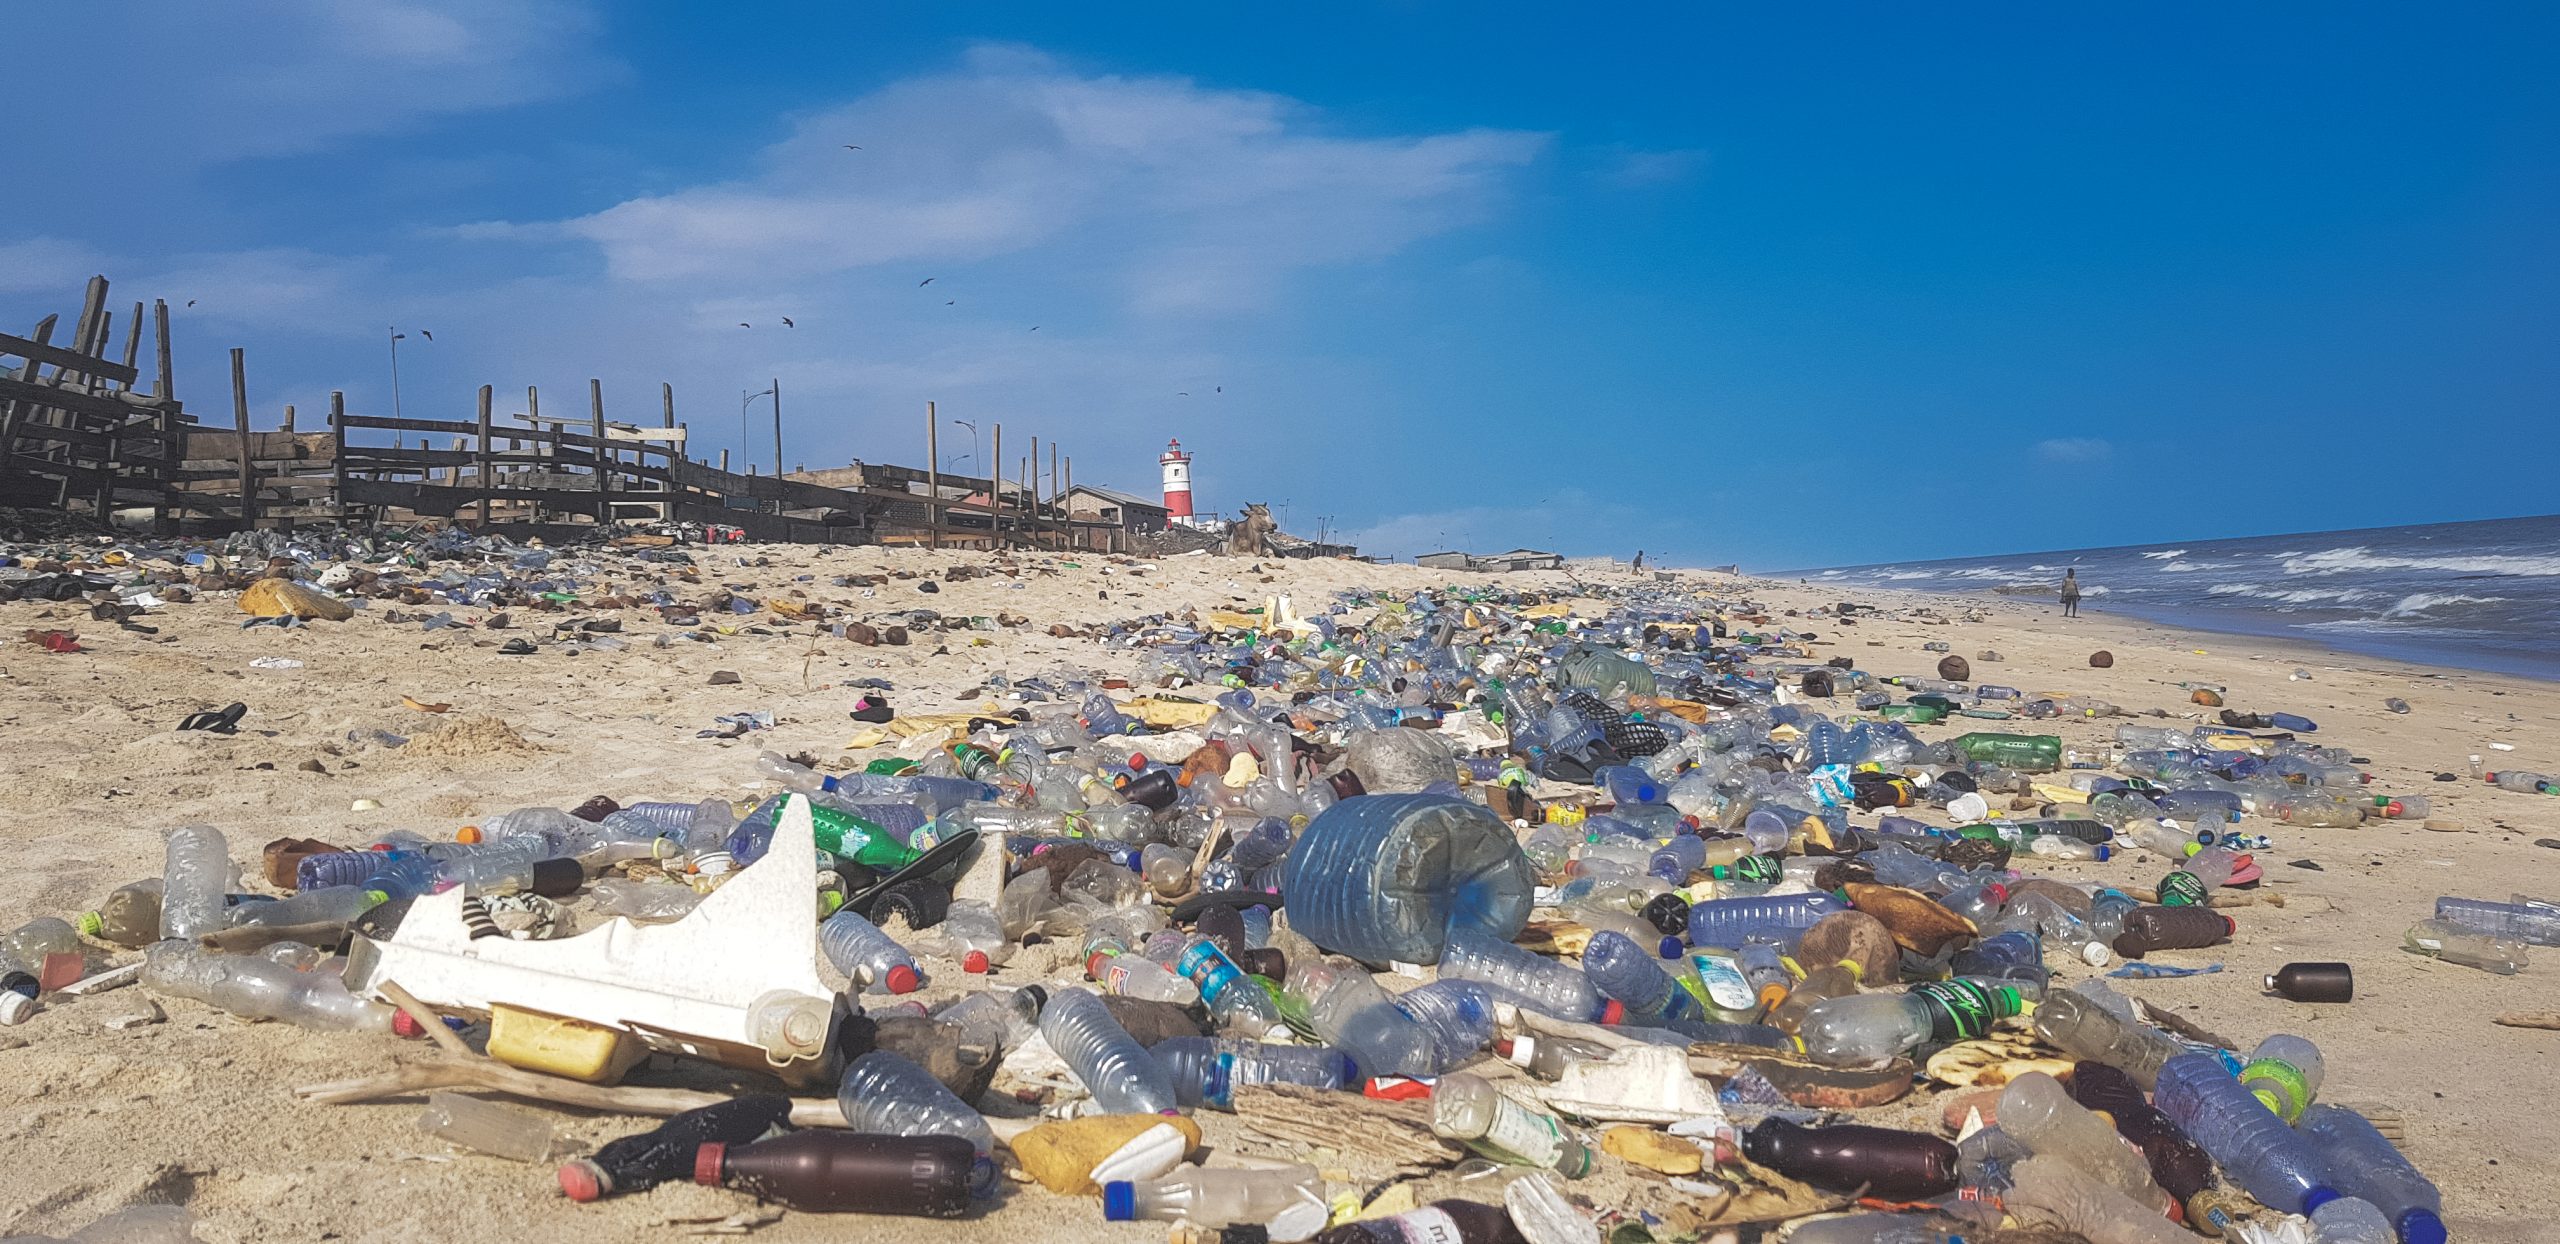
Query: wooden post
column 1031, row 520
column 604, row 481
column 160, row 346
column 288, row 417
column 93, row 313
column 240, row 416
column 453, row 474
column 724, row 461
column 547, row 450
column 995, row 488
column 932, row 478
column 133, row 338
column 1057, row 499
column 338, row 451
column 777, row 444
column 488, row 476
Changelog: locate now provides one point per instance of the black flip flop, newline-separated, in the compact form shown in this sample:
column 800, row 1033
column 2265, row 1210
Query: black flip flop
column 223, row 721
column 516, row 648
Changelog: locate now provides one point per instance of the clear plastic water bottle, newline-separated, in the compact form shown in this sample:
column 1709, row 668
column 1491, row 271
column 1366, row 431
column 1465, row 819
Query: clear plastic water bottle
column 1288, row 1199
column 2453, row 943
column 2254, row 1148
column 328, row 905
column 2361, row 1162
column 1620, row 968
column 195, row 881
column 2050, row 1190
column 1350, row 1012
column 887, row 1095
column 1458, row 1016
column 2351, row 1220
column 1110, row 1063
column 1870, row 1028
column 2090, row 1032
column 2284, row 1072
column 2528, row 920
column 2036, row 1110
column 1732, row 921
column 1132, row 975
column 1388, row 877
column 1533, row 979
column 1234, row 1000
column 1207, row 1071
column 258, row 988
column 1469, row 1108
column 868, row 956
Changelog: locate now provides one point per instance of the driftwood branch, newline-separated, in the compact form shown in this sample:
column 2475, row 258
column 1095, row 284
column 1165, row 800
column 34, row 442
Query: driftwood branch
column 496, row 1077
column 1393, row 1135
column 2530, row 1019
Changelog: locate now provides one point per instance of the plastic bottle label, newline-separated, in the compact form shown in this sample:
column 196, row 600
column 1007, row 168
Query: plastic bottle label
column 1958, row 1010
column 1428, row 1226
column 1209, row 968
column 2182, row 889
column 1537, row 1139
column 1726, row 986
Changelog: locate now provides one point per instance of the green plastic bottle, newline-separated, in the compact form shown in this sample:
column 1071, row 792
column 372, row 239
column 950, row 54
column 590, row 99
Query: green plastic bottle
column 2026, row 753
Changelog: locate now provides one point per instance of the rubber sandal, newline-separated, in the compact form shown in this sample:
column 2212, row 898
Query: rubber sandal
column 223, row 721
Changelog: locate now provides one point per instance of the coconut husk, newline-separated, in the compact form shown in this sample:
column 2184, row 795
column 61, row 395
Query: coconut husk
column 1851, row 937
column 1918, row 924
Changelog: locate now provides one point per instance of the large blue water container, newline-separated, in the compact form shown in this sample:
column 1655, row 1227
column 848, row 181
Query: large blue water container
column 1385, row 877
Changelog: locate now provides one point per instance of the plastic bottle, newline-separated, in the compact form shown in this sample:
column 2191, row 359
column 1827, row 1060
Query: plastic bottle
column 257, row 988
column 2318, row 810
column 2527, row 920
column 1891, row 1165
column 1732, row 921
column 1441, row 1222
column 2453, row 943
column 1527, row 976
column 866, row 955
column 129, row 917
column 327, row 905
column 195, row 882
column 1388, row 877
column 2284, row 1072
column 1866, row 1029
column 644, row 1160
column 2351, row 1220
column 2527, row 783
column 2026, row 753
column 1111, row 1064
column 486, row 1127
column 1207, row 1071
column 1352, row 1013
column 2092, row 1033
column 999, row 1019
column 642, row 900
column 1458, row 1016
column 2266, row 1158
column 2046, row 1189
column 2177, row 1163
column 1836, row 981
column 1467, row 1108
column 1619, row 968
column 2036, row 1110
column 885, row 1094
column 1131, row 975
column 2360, row 1162
column 1219, row 1197
column 1234, row 1000
column 2147, row 929
column 820, row 1171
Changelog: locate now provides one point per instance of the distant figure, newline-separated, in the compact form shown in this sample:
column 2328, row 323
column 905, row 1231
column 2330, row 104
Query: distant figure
column 2070, row 593
column 1639, row 561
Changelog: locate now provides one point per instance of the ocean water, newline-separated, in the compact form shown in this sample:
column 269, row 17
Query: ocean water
column 2481, row 595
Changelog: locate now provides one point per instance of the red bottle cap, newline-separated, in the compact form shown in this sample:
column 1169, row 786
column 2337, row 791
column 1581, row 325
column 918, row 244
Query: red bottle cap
column 707, row 1160
column 974, row 963
column 1615, row 1012
column 402, row 1025
column 584, row 1181
column 903, row 979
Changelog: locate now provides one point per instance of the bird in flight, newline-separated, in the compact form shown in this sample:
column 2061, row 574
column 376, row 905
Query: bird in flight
column 786, row 322
column 744, row 324
column 921, row 284
column 191, row 302
column 1035, row 328
column 428, row 335
column 1184, row 393
column 951, row 302
column 851, row 147
column 1222, row 388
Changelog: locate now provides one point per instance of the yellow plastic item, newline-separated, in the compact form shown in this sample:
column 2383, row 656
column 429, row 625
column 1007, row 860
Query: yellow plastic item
column 572, row 1048
column 2056, row 792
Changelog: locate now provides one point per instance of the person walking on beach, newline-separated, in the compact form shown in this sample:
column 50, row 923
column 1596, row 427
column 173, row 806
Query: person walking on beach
column 2070, row 592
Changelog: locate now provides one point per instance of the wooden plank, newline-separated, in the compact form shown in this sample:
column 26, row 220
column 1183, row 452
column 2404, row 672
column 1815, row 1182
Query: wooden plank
column 240, row 416
column 337, row 443
column 132, row 350
column 604, row 463
column 118, row 407
column 160, row 349
column 488, row 480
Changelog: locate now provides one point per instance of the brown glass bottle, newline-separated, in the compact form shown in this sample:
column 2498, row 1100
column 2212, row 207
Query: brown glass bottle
column 1224, row 926
column 2147, row 929
column 1441, row 1222
column 1891, row 1165
column 2178, row 1163
column 839, row 1172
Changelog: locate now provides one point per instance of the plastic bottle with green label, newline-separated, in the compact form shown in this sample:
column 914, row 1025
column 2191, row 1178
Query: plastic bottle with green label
column 2284, row 1072
column 2026, row 753
column 1467, row 1108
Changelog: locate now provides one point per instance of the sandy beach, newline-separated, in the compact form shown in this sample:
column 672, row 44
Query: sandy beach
column 198, row 1110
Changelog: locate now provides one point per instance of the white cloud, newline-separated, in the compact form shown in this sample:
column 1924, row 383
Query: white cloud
column 1179, row 197
column 43, row 265
column 1626, row 168
column 2074, row 449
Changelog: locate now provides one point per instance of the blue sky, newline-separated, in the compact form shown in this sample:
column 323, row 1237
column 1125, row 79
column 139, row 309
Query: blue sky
column 1834, row 285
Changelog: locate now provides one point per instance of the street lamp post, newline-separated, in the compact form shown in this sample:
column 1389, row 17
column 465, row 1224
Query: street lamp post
column 973, row 437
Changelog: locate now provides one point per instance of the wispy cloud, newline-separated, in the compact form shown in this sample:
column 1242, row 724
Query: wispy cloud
column 45, row 265
column 1627, row 168
column 2074, row 449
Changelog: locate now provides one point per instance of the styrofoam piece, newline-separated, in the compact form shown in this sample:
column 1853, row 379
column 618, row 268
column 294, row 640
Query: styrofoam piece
column 1639, row 1084
column 735, row 980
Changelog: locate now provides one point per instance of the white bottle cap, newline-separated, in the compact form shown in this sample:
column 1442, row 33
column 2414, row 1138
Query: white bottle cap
column 15, row 1007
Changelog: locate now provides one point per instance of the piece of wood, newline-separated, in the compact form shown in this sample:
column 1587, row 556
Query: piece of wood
column 497, row 1077
column 932, row 468
column 132, row 349
column 2529, row 1019
column 240, row 416
column 1379, row 1136
column 161, row 373
column 64, row 359
column 604, row 473
column 338, row 450
column 427, row 1020
column 487, row 480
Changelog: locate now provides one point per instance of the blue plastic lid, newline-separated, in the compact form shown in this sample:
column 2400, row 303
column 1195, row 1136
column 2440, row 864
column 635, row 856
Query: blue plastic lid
column 1119, row 1201
column 2318, row 1197
column 1671, row 948
column 2421, row 1226
column 2104, row 852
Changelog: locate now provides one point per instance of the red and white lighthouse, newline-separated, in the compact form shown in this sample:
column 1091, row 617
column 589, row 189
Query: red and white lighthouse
column 1177, row 482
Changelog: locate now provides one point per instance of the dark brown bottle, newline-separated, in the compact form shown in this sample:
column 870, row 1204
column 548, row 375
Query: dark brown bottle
column 2147, row 929
column 846, row 1172
column 1155, row 788
column 1441, row 1222
column 2314, row 982
column 2178, row 1163
column 1891, row 1165
column 647, row 1159
column 1223, row 926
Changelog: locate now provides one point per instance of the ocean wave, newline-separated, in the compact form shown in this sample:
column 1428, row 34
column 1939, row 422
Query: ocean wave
column 2187, row 567
column 2293, row 596
column 1995, row 574
column 2362, row 557
column 2420, row 603
column 1896, row 576
column 2166, row 555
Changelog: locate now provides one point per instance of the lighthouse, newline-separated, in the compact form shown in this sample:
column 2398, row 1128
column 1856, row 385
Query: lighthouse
column 1177, row 482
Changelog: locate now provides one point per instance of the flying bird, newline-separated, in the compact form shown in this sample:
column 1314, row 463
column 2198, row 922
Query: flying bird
column 744, row 324
column 191, row 302
column 851, row 147
column 951, row 302
column 1222, row 388
column 786, row 322
column 921, row 284
column 1184, row 393
column 428, row 335
column 1035, row 328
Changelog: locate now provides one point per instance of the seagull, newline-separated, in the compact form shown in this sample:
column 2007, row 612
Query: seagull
column 191, row 302
column 921, row 284
column 744, row 324
column 851, row 147
column 786, row 322
column 1035, row 328
column 428, row 335
column 1184, row 393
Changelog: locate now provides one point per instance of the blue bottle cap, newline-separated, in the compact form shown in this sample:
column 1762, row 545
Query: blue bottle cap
column 2318, row 1197
column 1119, row 1201
column 1671, row 948
column 2421, row 1226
